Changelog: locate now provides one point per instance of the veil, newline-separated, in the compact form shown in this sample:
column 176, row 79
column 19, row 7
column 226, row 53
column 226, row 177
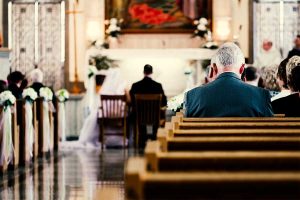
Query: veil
column 113, row 84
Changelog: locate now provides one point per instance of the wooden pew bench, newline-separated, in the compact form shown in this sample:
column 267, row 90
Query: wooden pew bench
column 235, row 119
column 231, row 143
column 142, row 184
column 158, row 160
column 42, row 147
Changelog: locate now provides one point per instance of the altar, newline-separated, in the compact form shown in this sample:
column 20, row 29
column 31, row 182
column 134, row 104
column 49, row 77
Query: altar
column 171, row 67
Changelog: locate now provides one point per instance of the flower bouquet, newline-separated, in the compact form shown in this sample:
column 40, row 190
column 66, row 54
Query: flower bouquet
column 176, row 103
column 113, row 29
column 62, row 95
column 201, row 28
column 46, row 93
column 29, row 94
column 7, row 99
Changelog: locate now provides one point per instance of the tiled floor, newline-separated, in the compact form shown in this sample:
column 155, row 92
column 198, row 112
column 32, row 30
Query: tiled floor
column 70, row 175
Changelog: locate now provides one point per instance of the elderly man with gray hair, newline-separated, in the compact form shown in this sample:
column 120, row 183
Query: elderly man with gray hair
column 36, row 80
column 228, row 95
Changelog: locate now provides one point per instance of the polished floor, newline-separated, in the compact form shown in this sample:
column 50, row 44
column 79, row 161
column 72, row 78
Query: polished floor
column 69, row 174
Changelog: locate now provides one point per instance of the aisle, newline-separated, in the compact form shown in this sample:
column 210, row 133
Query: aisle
column 76, row 174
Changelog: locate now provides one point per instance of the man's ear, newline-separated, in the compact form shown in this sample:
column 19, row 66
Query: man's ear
column 242, row 68
column 214, row 70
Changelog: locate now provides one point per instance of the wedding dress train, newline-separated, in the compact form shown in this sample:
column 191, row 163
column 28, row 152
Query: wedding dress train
column 113, row 84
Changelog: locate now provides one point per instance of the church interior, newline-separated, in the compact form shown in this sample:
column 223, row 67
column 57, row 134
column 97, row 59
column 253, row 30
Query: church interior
column 149, row 99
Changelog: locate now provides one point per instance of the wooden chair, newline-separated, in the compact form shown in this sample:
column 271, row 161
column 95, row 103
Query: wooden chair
column 113, row 111
column 147, row 111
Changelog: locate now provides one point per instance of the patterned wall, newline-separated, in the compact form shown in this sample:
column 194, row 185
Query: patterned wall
column 47, row 54
column 23, row 37
column 50, row 45
column 278, row 21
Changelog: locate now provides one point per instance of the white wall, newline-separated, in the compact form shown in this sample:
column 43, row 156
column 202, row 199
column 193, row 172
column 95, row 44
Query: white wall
column 94, row 10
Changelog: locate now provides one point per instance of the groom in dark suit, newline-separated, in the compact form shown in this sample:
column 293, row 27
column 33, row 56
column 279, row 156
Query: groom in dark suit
column 146, row 86
column 228, row 95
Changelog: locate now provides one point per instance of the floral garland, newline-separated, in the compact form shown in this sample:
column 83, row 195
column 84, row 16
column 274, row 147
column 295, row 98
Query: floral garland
column 7, row 98
column 62, row 95
column 46, row 93
column 29, row 94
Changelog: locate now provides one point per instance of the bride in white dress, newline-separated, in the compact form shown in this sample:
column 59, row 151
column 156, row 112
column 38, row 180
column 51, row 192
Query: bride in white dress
column 113, row 84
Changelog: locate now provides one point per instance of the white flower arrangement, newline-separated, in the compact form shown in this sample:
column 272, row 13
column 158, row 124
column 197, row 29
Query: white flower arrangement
column 29, row 94
column 46, row 93
column 113, row 29
column 176, row 102
column 7, row 98
column 201, row 28
column 92, row 71
column 62, row 95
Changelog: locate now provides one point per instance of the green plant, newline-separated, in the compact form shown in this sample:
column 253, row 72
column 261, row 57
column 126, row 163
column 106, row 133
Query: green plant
column 101, row 62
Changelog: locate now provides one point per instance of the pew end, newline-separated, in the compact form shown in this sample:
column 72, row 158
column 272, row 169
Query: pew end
column 162, row 137
column 151, row 151
column 134, row 169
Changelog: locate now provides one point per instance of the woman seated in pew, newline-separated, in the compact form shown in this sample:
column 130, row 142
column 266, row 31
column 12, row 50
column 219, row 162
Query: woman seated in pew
column 16, row 83
column 290, row 105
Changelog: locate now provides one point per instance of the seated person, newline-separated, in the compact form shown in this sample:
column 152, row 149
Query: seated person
column 15, row 80
column 282, row 81
column 268, row 80
column 250, row 76
column 296, row 50
column 290, row 105
column 3, row 85
column 36, row 80
column 146, row 86
column 268, row 55
column 228, row 95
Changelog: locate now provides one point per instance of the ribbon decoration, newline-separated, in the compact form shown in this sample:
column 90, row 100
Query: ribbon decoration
column 62, row 121
column 46, row 126
column 7, row 149
column 29, row 132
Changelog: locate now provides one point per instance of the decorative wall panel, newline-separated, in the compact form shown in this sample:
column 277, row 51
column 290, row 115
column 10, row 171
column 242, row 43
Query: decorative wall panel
column 277, row 21
column 50, row 44
column 37, row 38
column 23, row 37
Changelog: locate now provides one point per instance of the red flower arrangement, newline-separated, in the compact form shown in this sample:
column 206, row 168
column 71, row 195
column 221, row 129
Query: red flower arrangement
column 149, row 15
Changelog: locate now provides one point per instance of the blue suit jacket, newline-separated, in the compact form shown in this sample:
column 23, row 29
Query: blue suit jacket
column 228, row 96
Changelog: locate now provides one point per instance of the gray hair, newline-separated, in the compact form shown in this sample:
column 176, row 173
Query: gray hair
column 293, row 63
column 230, row 55
column 36, row 75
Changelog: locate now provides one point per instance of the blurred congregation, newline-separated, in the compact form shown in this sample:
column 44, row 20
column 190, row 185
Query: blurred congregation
column 112, row 99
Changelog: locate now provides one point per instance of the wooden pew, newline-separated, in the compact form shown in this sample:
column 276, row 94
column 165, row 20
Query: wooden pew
column 142, row 184
column 180, row 119
column 158, row 160
column 39, row 116
column 227, row 142
column 56, row 125
column 36, row 131
column 237, row 125
column 24, row 144
column 15, row 137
